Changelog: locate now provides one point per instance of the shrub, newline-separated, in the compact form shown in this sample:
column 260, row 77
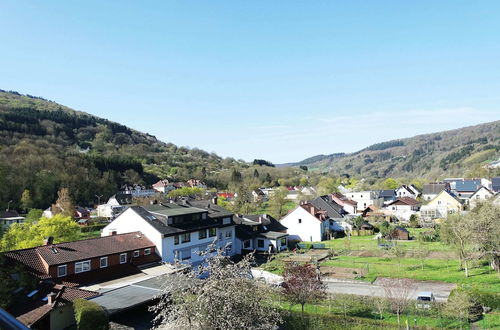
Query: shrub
column 89, row 315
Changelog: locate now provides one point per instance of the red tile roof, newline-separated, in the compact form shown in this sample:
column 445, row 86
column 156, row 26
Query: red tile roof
column 91, row 248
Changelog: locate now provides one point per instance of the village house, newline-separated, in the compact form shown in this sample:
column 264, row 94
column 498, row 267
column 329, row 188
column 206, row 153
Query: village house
column 464, row 188
column 195, row 183
column 179, row 231
column 431, row 190
column 259, row 195
column 443, row 204
column 8, row 218
column 399, row 233
column 408, row 191
column 349, row 206
column 59, row 269
column 261, row 233
column 116, row 204
column 387, row 195
column 480, row 195
column 365, row 199
column 334, row 211
column 163, row 186
column 403, row 207
column 308, row 223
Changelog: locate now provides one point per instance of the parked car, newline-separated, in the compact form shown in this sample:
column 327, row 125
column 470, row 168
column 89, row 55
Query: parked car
column 425, row 299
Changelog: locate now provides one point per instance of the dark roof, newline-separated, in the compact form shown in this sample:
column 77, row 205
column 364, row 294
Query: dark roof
column 386, row 193
column 271, row 223
column 30, row 259
column 435, row 188
column 160, row 223
column 324, row 203
column 495, row 184
column 9, row 214
column 467, row 185
column 405, row 201
column 122, row 198
column 214, row 211
column 62, row 253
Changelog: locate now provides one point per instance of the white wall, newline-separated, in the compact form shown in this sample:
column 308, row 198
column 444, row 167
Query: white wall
column 309, row 229
column 128, row 222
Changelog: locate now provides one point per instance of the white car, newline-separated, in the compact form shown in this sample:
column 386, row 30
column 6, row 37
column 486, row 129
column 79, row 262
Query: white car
column 425, row 299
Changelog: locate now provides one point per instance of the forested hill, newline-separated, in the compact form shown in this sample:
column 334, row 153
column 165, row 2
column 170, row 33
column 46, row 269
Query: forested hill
column 45, row 146
column 458, row 152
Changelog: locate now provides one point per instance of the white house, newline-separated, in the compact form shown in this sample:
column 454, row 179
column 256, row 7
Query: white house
column 365, row 199
column 179, row 232
column 480, row 195
column 260, row 233
column 307, row 223
column 431, row 190
column 403, row 207
column 408, row 191
column 349, row 206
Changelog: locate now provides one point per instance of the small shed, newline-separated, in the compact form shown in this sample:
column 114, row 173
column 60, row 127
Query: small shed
column 400, row 233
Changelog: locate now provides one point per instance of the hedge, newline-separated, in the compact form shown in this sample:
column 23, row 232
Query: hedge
column 89, row 315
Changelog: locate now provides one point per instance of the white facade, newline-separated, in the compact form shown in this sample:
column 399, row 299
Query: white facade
column 365, row 199
column 407, row 191
column 480, row 195
column 188, row 245
column 303, row 225
column 109, row 210
column 402, row 212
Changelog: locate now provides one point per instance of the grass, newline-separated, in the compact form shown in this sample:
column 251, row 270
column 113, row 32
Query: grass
column 90, row 234
column 265, row 208
column 389, row 319
column 482, row 277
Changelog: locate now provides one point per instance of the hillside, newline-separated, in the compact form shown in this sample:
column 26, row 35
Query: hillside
column 45, row 145
column 457, row 152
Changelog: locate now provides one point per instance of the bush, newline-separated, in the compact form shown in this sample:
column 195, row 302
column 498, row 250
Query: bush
column 89, row 315
column 486, row 299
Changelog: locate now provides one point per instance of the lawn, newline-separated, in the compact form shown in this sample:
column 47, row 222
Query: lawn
column 482, row 277
column 266, row 209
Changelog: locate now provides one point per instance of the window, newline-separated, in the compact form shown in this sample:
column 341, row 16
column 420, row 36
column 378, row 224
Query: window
column 260, row 243
column 229, row 234
column 136, row 253
column 104, row 262
column 300, row 220
column 186, row 254
column 176, row 239
column 147, row 251
column 186, row 237
column 439, row 202
column 212, row 232
column 123, row 258
column 62, row 270
column 283, row 241
column 202, row 234
column 82, row 266
column 246, row 244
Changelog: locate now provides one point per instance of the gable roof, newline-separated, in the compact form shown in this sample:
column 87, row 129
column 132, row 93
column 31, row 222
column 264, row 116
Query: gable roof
column 405, row 201
column 467, row 185
column 435, row 188
column 343, row 199
column 481, row 188
column 61, row 253
column 333, row 210
column 271, row 223
column 447, row 193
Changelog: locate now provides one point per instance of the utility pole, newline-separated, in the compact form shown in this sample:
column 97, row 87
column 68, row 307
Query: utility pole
column 8, row 205
column 98, row 199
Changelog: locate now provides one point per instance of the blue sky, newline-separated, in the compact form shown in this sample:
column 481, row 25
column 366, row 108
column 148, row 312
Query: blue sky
column 279, row 80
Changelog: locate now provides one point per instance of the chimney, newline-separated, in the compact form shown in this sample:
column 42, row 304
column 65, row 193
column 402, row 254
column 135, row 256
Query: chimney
column 49, row 240
column 214, row 200
column 312, row 210
column 113, row 233
column 260, row 219
column 51, row 298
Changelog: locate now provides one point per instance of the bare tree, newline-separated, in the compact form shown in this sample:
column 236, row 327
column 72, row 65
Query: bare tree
column 302, row 283
column 228, row 298
column 398, row 292
column 456, row 231
column 460, row 306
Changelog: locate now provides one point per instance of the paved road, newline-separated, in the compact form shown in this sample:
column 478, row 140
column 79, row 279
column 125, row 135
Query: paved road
column 440, row 290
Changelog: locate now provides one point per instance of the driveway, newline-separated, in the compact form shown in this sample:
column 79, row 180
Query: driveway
column 440, row 290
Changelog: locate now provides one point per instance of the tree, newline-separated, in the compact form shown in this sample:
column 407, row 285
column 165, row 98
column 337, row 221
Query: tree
column 390, row 184
column 398, row 292
column 186, row 192
column 303, row 168
column 226, row 299
column 26, row 200
column 64, row 204
column 277, row 201
column 457, row 232
column 33, row 215
column 460, row 306
column 414, row 221
column 302, row 284
column 255, row 174
column 89, row 315
column 327, row 186
column 236, row 176
column 269, row 179
column 28, row 235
